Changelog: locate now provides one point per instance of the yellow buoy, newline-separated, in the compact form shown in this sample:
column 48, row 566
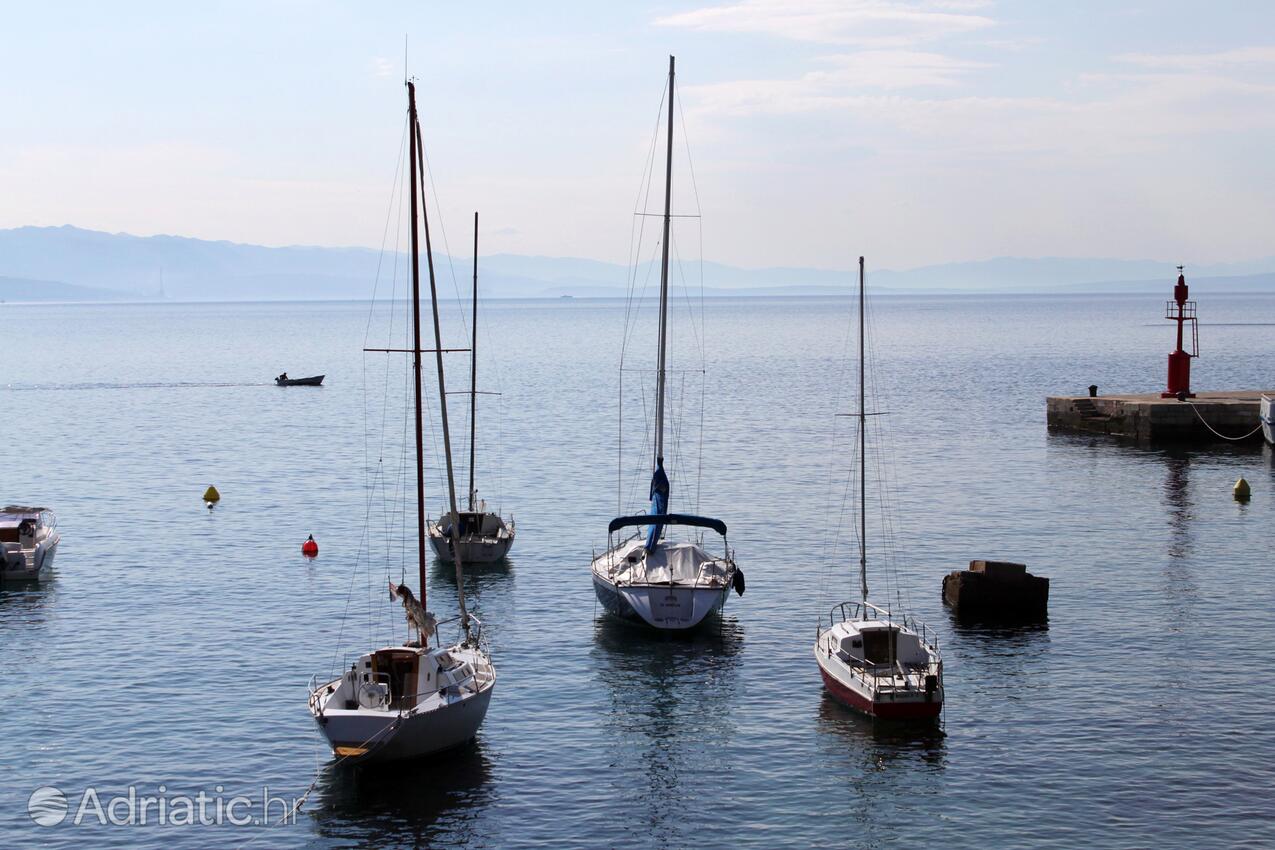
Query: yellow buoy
column 211, row 494
column 1241, row 491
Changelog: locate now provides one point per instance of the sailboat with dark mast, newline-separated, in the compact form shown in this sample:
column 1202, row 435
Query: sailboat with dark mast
column 411, row 699
column 874, row 659
column 479, row 535
column 646, row 579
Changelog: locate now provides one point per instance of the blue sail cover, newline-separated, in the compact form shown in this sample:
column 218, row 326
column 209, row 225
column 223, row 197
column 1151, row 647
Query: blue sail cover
column 659, row 503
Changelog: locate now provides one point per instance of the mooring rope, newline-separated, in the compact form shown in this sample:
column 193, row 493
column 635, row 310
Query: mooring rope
column 1216, row 433
column 318, row 775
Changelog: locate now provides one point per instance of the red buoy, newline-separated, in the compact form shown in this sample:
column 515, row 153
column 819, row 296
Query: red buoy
column 309, row 548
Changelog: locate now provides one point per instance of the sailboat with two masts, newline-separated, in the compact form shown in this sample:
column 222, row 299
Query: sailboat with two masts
column 647, row 579
column 874, row 659
column 411, row 700
column 481, row 536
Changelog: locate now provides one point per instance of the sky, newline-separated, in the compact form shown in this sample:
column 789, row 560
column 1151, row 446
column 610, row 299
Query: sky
column 912, row 131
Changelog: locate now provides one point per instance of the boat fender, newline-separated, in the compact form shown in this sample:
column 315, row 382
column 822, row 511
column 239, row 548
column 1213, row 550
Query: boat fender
column 738, row 582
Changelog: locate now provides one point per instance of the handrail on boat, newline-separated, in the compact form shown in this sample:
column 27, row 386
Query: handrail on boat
column 856, row 609
column 862, row 671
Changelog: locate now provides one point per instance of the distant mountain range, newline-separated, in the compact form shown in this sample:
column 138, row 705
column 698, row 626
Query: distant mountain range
column 69, row 263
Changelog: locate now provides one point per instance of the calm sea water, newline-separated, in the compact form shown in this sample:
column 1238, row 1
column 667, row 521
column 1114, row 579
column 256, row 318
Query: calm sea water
column 174, row 644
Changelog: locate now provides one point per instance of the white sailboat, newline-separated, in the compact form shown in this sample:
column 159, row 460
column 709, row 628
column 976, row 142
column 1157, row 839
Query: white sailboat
column 647, row 579
column 874, row 659
column 412, row 700
column 481, row 536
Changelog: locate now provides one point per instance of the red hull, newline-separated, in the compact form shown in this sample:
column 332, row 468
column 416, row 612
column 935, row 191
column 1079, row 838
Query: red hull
column 884, row 710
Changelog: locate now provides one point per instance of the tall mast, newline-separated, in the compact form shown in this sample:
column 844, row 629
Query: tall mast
column 442, row 398
column 668, row 199
column 473, row 373
column 863, row 457
column 413, row 129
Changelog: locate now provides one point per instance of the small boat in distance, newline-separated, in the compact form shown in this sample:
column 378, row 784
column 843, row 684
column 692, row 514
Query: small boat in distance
column 312, row 381
column 28, row 542
column 483, row 536
column 873, row 659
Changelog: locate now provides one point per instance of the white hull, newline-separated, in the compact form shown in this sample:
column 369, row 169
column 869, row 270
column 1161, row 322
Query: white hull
column 676, row 587
column 473, row 550
column 365, row 722
column 28, row 543
column 484, row 539
column 1268, row 419
column 659, row 605
column 389, row 737
column 31, row 566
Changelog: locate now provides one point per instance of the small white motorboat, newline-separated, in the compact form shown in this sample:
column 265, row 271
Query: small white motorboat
column 28, row 541
column 1268, row 420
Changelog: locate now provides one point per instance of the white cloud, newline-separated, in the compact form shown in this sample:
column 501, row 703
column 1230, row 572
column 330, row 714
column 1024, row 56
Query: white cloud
column 840, row 83
column 866, row 23
column 1224, row 60
column 382, row 67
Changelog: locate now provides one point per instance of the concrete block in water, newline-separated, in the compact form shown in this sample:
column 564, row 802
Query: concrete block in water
column 999, row 569
column 997, row 590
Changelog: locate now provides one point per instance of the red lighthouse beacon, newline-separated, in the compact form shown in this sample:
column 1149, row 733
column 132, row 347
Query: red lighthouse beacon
column 1181, row 311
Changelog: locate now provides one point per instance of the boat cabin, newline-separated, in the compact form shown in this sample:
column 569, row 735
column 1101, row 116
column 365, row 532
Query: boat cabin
column 23, row 525
column 398, row 678
column 876, row 642
column 473, row 524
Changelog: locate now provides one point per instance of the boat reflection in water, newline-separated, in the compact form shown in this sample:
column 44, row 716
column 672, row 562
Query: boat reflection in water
column 670, row 706
column 25, row 604
column 424, row 802
column 497, row 576
column 874, row 744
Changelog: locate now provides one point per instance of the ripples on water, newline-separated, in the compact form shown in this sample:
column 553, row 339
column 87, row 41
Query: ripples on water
column 174, row 644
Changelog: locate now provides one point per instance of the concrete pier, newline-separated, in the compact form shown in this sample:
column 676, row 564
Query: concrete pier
column 1148, row 418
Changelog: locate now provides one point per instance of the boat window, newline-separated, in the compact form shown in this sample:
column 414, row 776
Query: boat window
column 879, row 647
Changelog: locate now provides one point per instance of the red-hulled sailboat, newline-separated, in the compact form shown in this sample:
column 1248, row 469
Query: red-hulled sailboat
column 872, row 659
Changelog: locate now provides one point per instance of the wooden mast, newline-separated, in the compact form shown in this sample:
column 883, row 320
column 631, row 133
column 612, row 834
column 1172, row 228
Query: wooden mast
column 863, row 458
column 442, row 396
column 413, row 129
column 668, row 198
column 473, row 373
